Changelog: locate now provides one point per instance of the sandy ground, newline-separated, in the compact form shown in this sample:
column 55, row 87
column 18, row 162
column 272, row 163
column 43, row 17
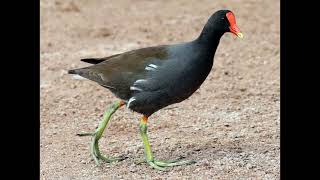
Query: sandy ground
column 230, row 126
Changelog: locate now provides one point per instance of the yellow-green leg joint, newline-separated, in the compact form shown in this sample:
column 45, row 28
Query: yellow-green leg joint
column 94, row 147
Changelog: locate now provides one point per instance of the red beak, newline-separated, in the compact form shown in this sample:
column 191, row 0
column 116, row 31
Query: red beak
column 233, row 26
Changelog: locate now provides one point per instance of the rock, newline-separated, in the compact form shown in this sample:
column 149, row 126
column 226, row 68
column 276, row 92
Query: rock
column 243, row 89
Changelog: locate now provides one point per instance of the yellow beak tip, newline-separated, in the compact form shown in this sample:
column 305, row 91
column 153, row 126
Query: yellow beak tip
column 240, row 35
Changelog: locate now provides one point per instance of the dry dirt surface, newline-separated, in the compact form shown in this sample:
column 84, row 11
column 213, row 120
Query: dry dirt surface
column 230, row 126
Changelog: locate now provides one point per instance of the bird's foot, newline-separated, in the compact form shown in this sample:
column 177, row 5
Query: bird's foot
column 160, row 165
column 95, row 151
column 96, row 154
column 94, row 146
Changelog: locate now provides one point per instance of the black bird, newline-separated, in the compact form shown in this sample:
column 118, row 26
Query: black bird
column 152, row 78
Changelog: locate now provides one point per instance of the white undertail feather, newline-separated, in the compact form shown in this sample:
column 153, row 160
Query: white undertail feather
column 78, row 77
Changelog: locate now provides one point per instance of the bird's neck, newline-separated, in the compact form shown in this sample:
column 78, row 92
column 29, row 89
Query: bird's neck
column 209, row 38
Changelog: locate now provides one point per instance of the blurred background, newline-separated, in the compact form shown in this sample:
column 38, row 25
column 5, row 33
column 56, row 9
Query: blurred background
column 230, row 126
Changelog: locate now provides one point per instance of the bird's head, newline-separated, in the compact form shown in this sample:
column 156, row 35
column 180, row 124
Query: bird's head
column 225, row 21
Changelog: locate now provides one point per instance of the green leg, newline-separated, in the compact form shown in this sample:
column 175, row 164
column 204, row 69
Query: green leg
column 148, row 153
column 94, row 147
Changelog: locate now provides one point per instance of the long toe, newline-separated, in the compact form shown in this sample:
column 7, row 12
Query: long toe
column 174, row 163
column 155, row 166
column 171, row 161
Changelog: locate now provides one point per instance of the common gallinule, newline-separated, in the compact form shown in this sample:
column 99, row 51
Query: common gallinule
column 151, row 78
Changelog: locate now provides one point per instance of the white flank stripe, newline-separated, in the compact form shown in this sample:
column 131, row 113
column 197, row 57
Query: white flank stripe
column 130, row 100
column 153, row 66
column 149, row 68
column 140, row 81
column 135, row 88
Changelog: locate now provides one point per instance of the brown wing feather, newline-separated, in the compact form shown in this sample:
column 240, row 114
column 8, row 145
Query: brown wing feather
column 120, row 71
